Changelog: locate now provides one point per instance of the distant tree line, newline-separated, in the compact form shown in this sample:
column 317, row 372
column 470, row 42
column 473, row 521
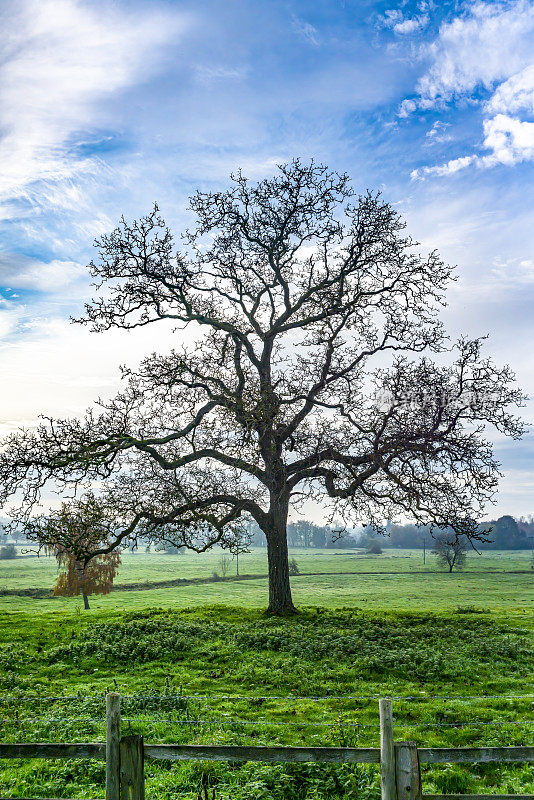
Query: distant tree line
column 304, row 533
column 506, row 534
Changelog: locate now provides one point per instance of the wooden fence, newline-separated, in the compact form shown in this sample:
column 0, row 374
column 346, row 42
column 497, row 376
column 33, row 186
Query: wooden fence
column 400, row 773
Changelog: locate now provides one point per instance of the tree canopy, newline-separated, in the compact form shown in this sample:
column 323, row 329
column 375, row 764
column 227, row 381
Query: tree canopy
column 312, row 376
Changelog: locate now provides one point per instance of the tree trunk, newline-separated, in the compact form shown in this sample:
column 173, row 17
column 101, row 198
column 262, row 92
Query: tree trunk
column 85, row 601
column 280, row 600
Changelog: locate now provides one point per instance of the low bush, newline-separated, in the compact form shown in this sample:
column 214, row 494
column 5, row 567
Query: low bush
column 221, row 655
column 8, row 551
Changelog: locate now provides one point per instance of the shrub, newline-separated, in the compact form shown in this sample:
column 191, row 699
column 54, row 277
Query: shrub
column 8, row 551
column 293, row 567
column 374, row 549
column 172, row 550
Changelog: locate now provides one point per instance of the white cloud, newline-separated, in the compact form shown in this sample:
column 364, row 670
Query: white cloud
column 455, row 165
column 488, row 44
column 58, row 369
column 407, row 107
column 394, row 18
column 27, row 273
column 491, row 46
column 60, row 59
column 408, row 26
column 509, row 139
column 515, row 94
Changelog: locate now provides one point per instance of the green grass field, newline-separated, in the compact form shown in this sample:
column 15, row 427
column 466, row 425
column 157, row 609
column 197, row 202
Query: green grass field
column 500, row 580
column 370, row 626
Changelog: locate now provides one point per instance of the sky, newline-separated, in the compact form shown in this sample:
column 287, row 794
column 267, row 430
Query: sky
column 106, row 107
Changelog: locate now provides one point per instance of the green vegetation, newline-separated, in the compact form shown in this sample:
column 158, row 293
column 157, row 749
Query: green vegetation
column 428, row 636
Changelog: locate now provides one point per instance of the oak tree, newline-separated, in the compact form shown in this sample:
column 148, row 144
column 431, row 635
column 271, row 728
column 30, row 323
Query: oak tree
column 320, row 371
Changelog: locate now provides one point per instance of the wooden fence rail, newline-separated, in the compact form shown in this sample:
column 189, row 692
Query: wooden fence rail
column 400, row 772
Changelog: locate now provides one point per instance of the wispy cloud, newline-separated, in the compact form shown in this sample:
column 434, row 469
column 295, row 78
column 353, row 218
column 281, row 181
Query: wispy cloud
column 411, row 25
column 60, row 59
column 438, row 133
column 305, row 30
column 514, row 271
column 206, row 73
column 401, row 25
column 49, row 357
column 9, row 317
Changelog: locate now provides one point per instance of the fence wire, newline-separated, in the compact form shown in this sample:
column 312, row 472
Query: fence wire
column 269, row 723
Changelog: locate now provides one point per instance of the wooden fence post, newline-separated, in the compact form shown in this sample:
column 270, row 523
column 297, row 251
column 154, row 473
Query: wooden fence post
column 387, row 752
column 132, row 768
column 113, row 736
column 407, row 771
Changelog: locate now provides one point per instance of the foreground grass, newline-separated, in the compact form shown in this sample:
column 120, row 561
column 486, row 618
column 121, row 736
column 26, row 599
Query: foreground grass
column 161, row 657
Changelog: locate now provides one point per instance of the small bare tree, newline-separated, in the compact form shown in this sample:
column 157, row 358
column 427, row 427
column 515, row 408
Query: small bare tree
column 240, row 544
column 451, row 551
column 298, row 285
column 224, row 564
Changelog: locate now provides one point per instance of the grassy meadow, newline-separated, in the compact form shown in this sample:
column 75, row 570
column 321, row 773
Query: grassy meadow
column 331, row 578
column 192, row 659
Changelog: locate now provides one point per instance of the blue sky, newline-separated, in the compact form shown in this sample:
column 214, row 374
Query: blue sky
column 108, row 106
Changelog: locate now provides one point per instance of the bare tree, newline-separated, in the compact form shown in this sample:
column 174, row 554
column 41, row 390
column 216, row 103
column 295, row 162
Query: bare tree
column 240, row 544
column 224, row 564
column 298, row 285
column 451, row 551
